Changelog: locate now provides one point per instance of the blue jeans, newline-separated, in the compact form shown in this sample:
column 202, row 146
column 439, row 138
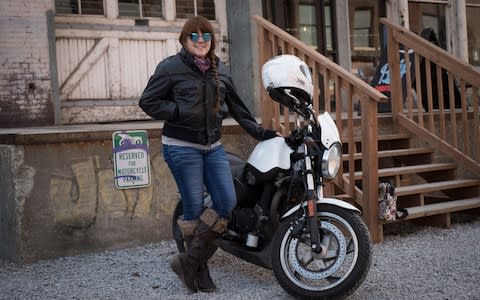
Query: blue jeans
column 192, row 169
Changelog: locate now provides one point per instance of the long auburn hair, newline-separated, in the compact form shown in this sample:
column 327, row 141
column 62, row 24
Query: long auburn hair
column 202, row 24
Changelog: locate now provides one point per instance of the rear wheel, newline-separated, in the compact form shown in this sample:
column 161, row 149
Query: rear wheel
column 341, row 266
column 177, row 233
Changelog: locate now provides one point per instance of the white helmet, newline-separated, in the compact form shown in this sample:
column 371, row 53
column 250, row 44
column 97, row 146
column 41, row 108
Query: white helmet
column 287, row 72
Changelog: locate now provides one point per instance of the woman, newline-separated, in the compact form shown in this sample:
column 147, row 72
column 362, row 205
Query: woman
column 189, row 91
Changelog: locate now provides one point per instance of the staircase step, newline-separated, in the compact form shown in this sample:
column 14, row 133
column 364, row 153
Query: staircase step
column 404, row 170
column 435, row 186
column 383, row 137
column 394, row 153
column 442, row 208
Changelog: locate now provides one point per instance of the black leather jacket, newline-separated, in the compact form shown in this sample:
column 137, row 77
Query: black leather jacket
column 183, row 96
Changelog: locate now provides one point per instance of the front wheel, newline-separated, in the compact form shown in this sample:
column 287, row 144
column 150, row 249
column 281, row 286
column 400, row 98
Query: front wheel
column 335, row 272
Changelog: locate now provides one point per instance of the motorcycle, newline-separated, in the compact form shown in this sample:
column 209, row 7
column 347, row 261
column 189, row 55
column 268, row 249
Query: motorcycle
column 318, row 247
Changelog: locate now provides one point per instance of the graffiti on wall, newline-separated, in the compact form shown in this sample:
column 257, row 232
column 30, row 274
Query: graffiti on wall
column 90, row 194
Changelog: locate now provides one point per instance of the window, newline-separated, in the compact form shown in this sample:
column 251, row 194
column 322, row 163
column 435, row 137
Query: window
column 190, row 8
column 362, row 27
column 329, row 28
column 140, row 8
column 473, row 32
column 79, row 7
column 307, row 24
column 428, row 15
column 365, row 34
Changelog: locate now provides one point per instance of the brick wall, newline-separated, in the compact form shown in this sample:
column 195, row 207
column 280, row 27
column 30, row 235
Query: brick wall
column 24, row 64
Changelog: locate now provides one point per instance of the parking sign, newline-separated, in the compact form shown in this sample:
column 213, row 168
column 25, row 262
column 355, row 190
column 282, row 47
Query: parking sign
column 131, row 159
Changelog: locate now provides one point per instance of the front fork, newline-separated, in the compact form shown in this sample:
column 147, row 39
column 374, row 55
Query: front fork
column 313, row 223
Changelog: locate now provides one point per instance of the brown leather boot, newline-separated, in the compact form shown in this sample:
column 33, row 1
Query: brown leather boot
column 186, row 265
column 203, row 279
column 218, row 226
column 187, row 228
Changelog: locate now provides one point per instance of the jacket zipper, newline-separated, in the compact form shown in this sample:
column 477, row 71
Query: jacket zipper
column 205, row 107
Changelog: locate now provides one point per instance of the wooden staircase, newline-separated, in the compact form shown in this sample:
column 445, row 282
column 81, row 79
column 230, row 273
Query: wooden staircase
column 428, row 184
column 430, row 153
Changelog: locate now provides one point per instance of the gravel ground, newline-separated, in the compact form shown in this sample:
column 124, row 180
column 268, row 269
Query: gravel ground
column 412, row 263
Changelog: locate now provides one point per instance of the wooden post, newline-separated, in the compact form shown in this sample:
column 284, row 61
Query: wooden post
column 264, row 48
column 52, row 53
column 395, row 78
column 461, row 21
column 169, row 10
column 403, row 13
column 397, row 11
column 114, row 70
column 111, row 9
column 342, row 26
column 370, row 169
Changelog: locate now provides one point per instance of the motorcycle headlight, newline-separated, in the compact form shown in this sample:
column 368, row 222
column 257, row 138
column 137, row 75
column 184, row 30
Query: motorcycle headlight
column 331, row 160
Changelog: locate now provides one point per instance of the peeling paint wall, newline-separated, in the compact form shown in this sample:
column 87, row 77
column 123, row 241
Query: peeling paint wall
column 16, row 185
column 8, row 225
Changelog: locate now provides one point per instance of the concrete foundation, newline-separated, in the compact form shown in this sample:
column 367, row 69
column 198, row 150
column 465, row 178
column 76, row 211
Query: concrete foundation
column 59, row 197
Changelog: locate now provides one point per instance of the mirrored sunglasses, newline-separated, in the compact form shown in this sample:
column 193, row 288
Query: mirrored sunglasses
column 207, row 37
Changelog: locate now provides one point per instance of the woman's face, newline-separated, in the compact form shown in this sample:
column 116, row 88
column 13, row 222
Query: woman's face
column 197, row 45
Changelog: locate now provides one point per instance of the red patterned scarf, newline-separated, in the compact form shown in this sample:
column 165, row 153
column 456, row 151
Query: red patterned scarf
column 202, row 64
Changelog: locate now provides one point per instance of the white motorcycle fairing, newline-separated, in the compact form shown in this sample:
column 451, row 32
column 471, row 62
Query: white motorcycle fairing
column 270, row 154
column 331, row 201
column 330, row 134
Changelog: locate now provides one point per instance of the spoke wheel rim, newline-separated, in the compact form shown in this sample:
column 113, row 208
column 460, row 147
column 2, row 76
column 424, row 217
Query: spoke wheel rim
column 323, row 279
